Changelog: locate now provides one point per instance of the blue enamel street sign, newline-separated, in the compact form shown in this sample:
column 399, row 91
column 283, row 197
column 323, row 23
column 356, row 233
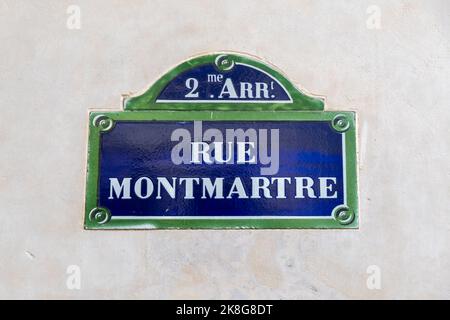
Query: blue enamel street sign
column 222, row 141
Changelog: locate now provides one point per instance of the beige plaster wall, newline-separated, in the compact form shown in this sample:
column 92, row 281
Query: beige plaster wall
column 396, row 77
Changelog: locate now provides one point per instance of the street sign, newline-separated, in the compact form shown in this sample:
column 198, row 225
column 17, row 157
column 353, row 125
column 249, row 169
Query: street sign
column 222, row 141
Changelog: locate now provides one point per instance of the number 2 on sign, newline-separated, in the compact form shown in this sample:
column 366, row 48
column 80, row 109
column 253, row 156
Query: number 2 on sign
column 192, row 84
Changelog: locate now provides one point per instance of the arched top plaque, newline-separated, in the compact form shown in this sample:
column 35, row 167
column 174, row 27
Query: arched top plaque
column 223, row 81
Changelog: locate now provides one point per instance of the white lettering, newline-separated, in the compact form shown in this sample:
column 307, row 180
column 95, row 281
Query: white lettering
column 257, row 186
column 118, row 188
column 138, row 187
column 237, row 188
column 228, row 89
column 300, row 187
column 211, row 187
column 325, row 187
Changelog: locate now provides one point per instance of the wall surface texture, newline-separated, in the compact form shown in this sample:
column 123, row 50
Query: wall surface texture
column 387, row 60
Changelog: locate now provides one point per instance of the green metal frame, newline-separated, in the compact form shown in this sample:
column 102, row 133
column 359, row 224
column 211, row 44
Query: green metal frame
column 100, row 123
column 144, row 107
